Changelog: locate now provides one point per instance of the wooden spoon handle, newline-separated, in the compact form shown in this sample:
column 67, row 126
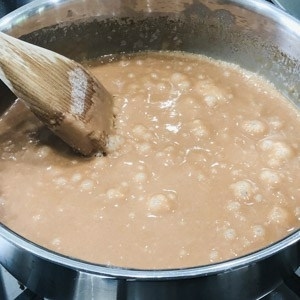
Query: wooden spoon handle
column 67, row 98
column 30, row 71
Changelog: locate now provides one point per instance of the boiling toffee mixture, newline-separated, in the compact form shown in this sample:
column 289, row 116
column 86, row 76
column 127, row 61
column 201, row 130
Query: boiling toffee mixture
column 204, row 166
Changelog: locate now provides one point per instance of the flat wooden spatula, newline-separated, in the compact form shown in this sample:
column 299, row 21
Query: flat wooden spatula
column 60, row 92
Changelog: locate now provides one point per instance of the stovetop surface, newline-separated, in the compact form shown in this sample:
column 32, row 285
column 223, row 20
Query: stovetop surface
column 10, row 289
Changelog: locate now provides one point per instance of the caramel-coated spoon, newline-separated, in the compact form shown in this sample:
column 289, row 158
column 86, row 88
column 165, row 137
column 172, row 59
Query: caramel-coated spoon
column 60, row 92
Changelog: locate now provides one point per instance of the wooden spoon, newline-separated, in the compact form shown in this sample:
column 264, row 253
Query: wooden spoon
column 60, row 92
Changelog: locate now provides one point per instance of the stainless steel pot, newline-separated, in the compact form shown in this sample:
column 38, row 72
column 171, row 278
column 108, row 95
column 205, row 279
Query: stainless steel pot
column 253, row 34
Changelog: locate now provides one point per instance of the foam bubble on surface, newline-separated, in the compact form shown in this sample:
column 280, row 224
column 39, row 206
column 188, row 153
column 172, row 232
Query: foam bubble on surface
column 87, row 184
column 43, row 152
column 60, row 181
column 114, row 193
column 270, row 177
column 229, row 234
column 242, row 189
column 277, row 215
column 115, row 142
column 140, row 177
column 198, row 129
column 76, row 177
column 253, row 127
column 233, row 206
column 258, row 231
column 159, row 204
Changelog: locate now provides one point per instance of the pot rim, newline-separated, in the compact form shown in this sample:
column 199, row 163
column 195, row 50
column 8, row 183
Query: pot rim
column 262, row 7
column 257, row 6
column 122, row 272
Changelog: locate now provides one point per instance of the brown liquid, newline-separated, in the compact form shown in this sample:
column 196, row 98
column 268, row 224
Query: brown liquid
column 204, row 166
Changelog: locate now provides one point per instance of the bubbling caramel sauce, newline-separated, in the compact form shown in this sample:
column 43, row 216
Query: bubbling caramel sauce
column 204, row 166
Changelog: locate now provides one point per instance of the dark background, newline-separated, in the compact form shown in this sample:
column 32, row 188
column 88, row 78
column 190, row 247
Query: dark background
column 7, row 6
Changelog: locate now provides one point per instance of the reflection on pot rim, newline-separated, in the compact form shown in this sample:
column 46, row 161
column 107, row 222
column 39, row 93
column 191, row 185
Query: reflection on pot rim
column 16, row 250
column 16, row 19
column 144, row 274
